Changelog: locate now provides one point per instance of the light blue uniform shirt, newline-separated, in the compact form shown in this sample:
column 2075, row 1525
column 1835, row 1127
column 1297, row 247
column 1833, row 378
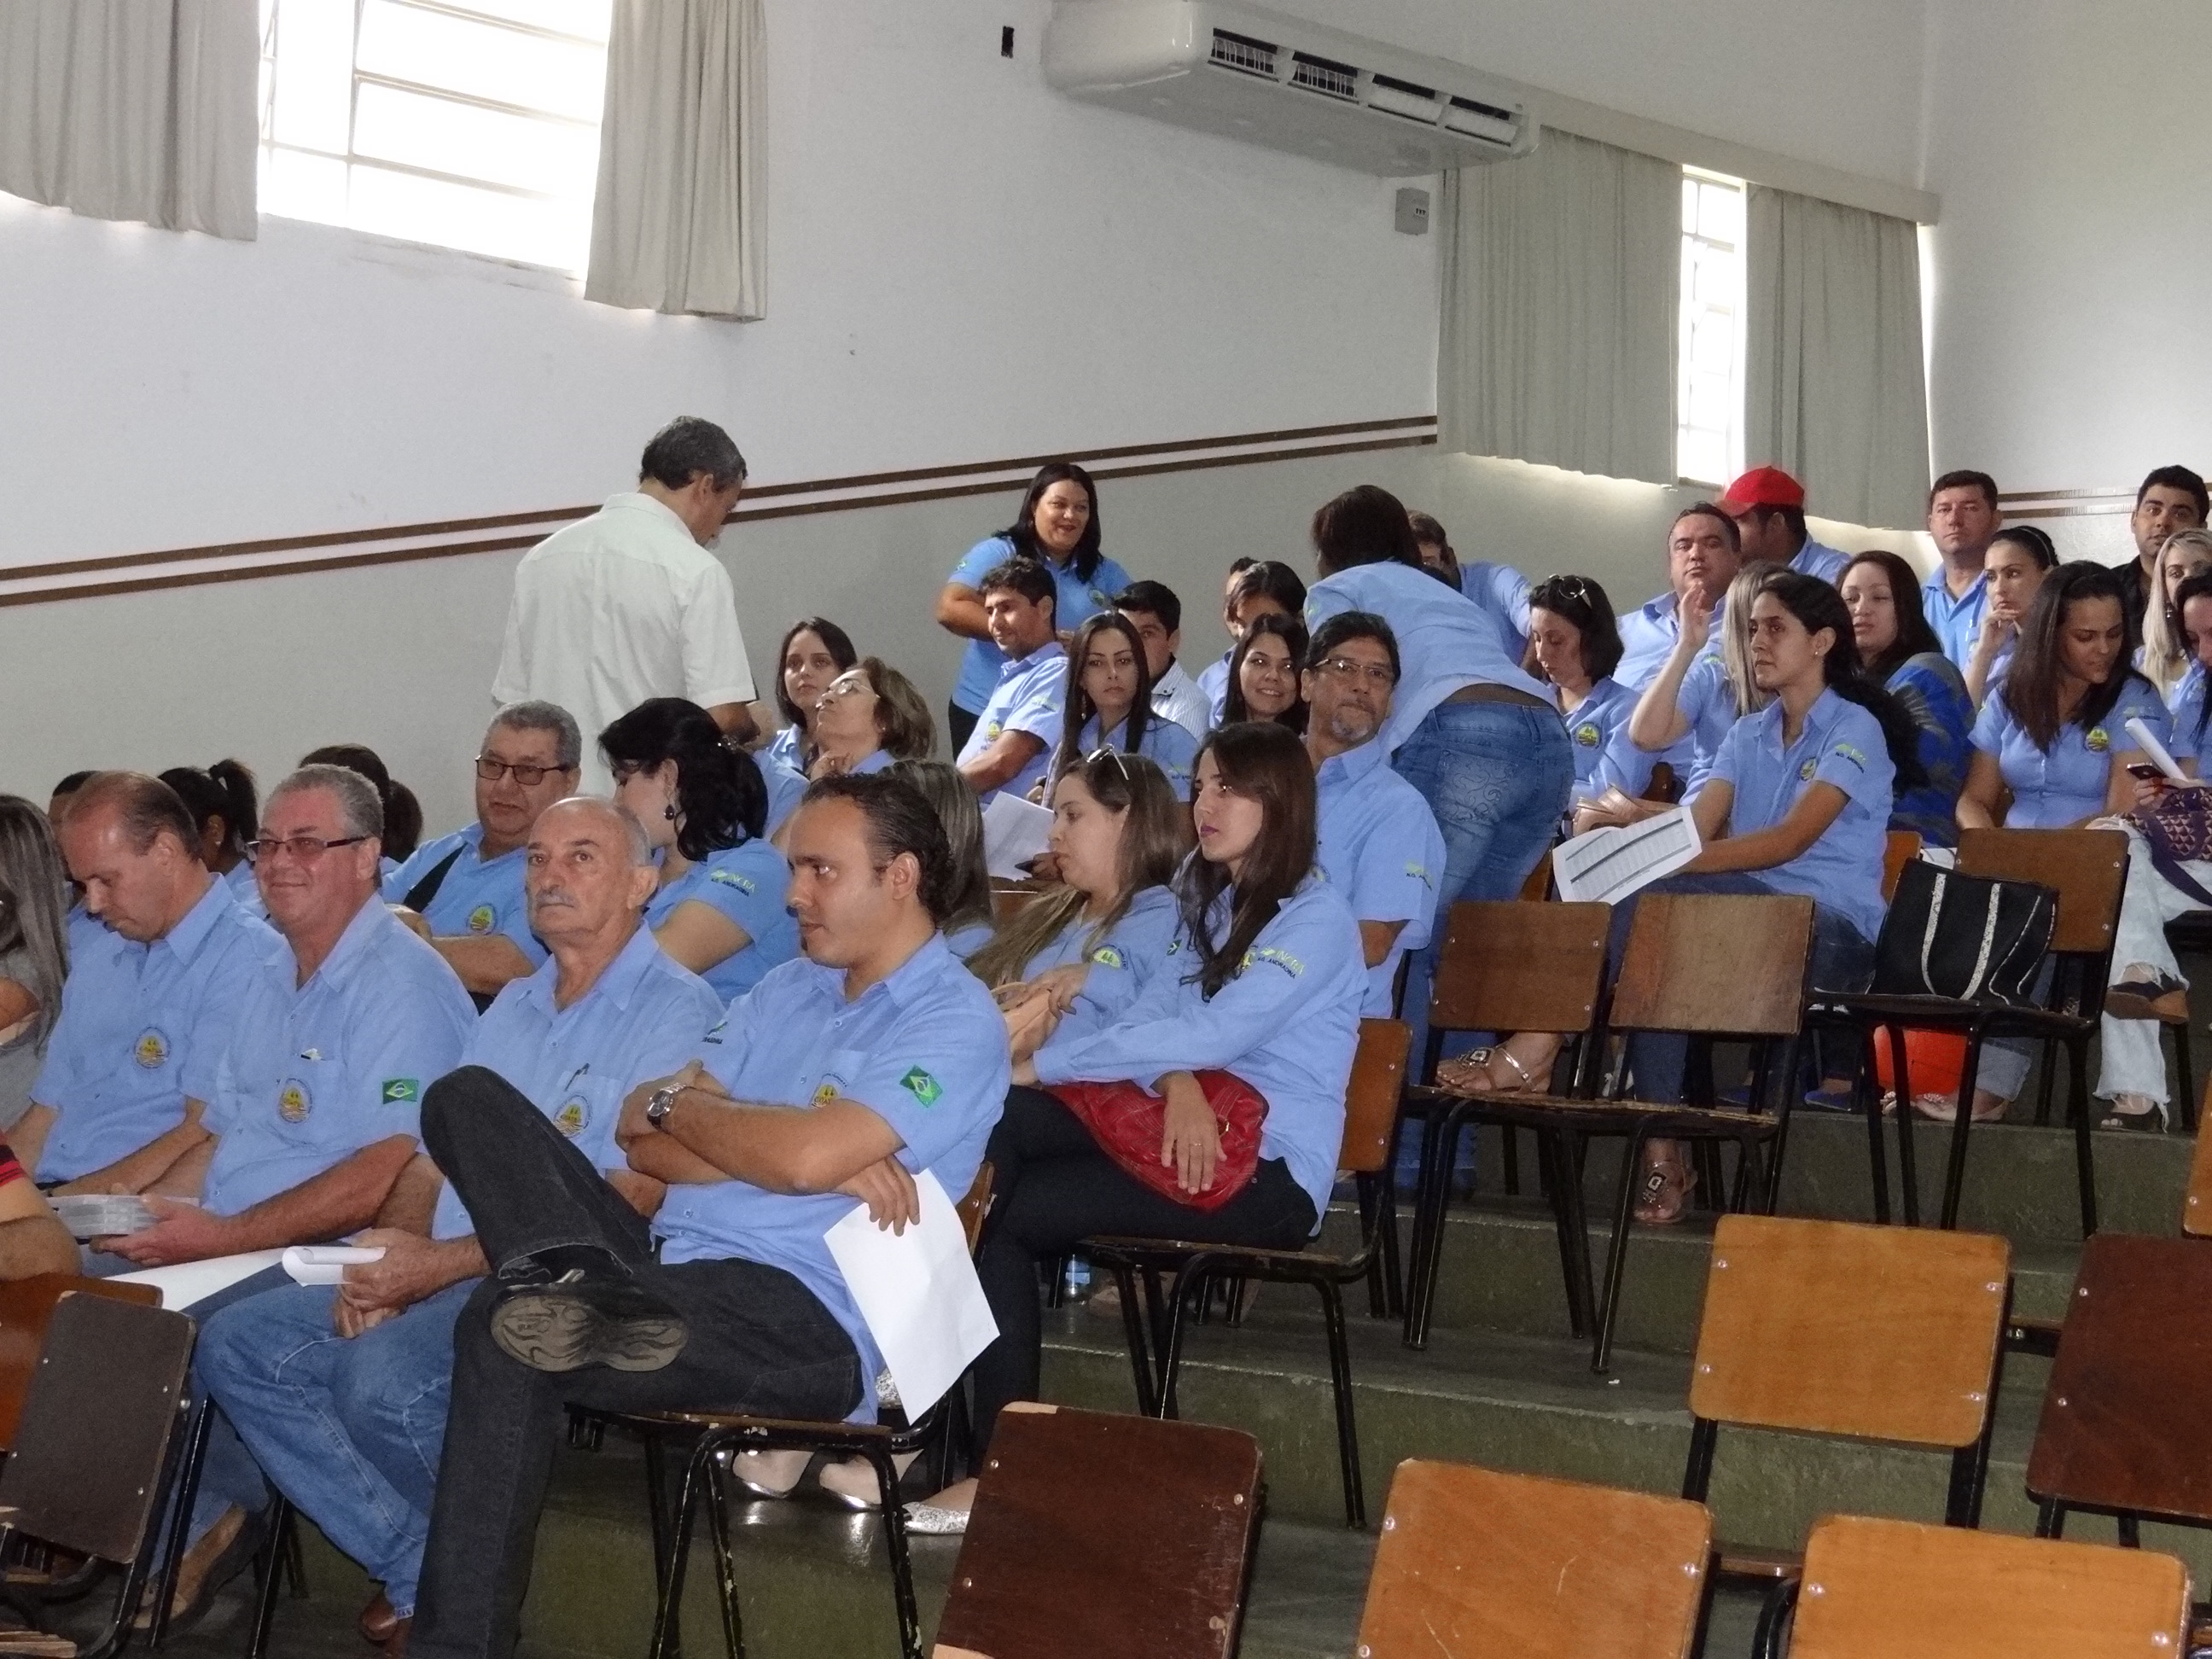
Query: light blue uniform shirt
column 2185, row 738
column 1647, row 640
column 1030, row 697
column 1815, row 559
column 1166, row 744
column 1841, row 744
column 782, row 748
column 1504, row 592
column 964, row 942
column 924, row 1049
column 1379, row 846
column 748, row 883
column 477, row 897
column 1707, row 701
column 1957, row 622
column 1606, row 757
column 314, row 1072
column 2071, row 782
column 1287, row 1025
column 643, row 1018
column 1213, row 682
column 1075, row 604
column 1446, row 641
column 1121, row 963
column 786, row 784
column 141, row 1029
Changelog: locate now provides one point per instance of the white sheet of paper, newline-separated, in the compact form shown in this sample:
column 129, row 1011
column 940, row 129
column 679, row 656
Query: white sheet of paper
column 919, row 1292
column 326, row 1264
column 190, row 1282
column 2147, row 741
column 1607, row 864
column 1014, row 832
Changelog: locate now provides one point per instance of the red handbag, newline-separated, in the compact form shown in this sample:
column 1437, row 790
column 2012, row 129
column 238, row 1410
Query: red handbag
column 1129, row 1125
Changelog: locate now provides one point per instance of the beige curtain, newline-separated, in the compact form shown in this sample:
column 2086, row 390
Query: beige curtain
column 676, row 224
column 1835, row 389
column 1560, row 325
column 132, row 109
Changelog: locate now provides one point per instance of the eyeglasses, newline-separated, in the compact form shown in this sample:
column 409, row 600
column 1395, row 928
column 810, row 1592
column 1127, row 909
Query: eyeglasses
column 491, row 769
column 305, row 849
column 1375, row 673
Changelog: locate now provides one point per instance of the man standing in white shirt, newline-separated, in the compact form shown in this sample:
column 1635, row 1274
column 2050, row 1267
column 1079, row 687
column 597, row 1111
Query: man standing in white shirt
column 629, row 604
column 1154, row 611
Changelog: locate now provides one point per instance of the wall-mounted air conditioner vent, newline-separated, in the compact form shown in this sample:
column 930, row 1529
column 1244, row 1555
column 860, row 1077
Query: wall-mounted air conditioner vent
column 1226, row 67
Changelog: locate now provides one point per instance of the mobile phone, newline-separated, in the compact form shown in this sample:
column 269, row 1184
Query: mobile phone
column 2147, row 772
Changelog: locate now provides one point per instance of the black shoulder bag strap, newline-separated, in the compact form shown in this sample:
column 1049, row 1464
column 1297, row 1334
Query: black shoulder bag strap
column 420, row 894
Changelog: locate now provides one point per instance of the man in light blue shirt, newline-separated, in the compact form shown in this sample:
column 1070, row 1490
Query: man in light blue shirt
column 368, row 1365
column 1768, row 505
column 463, row 892
column 1704, row 551
column 1497, row 588
column 1019, row 728
column 1962, row 518
column 159, row 956
column 838, row 1078
column 1378, row 841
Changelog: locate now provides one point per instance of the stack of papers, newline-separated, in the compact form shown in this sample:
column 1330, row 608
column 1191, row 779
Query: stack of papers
column 1606, row 865
column 102, row 1215
column 1014, row 832
column 326, row 1264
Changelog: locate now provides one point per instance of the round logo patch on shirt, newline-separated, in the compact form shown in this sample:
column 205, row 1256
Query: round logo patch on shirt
column 826, row 1091
column 152, row 1049
column 573, row 1117
column 1586, row 735
column 2099, row 740
column 481, row 918
column 292, row 1101
column 1808, row 769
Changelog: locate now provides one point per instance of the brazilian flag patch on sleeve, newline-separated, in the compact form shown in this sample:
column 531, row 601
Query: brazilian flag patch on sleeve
column 923, row 1087
column 399, row 1089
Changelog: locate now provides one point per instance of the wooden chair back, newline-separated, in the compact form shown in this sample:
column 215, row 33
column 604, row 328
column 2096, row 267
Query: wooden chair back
column 1518, row 966
column 1113, row 1537
column 84, row 1470
column 1902, row 1590
column 2125, row 1425
column 2084, row 867
column 26, row 1308
column 1474, row 1561
column 1714, row 963
column 2196, row 1208
column 976, row 1205
column 1899, row 849
column 1837, row 1328
column 1538, row 887
column 1371, row 1099
column 1008, row 903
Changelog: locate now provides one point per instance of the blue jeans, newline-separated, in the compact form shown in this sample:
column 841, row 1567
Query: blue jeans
column 1498, row 776
column 350, row 1428
column 1843, row 960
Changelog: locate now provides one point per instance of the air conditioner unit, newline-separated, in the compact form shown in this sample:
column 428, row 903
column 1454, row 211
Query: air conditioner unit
column 1235, row 69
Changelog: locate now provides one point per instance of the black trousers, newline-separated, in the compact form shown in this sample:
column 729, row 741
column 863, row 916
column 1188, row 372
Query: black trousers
column 958, row 724
column 1054, row 1188
column 760, row 1342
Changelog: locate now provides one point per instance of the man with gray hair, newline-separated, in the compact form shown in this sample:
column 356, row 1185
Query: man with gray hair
column 371, row 1362
column 629, row 604
column 463, row 892
column 319, row 1092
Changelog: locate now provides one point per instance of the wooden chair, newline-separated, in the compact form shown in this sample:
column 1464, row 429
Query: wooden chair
column 1862, row 1332
column 1898, row 849
column 716, row 1435
column 1903, row 1591
column 1502, row 967
column 97, row 1444
column 2196, row 1208
column 1009, row 900
column 27, row 1310
column 1378, row 1076
column 1474, row 1561
column 2085, row 869
column 1710, row 966
column 1105, row 1536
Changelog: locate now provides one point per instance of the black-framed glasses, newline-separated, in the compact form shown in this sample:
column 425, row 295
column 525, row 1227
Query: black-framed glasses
column 491, row 769
column 1375, row 673
column 305, row 849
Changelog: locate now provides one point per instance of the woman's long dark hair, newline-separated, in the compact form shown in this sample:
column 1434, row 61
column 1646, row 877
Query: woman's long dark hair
column 2031, row 687
column 1817, row 605
column 224, row 791
column 1268, row 763
column 721, row 800
column 1584, row 603
column 1080, row 708
column 1083, row 561
column 1914, row 636
column 835, row 640
column 1292, row 633
column 403, row 813
column 2198, row 586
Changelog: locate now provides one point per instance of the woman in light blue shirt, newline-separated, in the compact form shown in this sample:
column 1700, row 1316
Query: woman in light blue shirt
column 867, row 717
column 815, row 651
column 719, row 910
column 1109, row 704
column 1058, row 526
column 1575, row 646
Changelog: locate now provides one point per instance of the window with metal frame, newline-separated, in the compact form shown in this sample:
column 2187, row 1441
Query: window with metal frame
column 1708, row 392
column 464, row 123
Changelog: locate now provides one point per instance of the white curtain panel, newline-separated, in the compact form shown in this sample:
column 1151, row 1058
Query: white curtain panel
column 132, row 109
column 1835, row 389
column 1560, row 320
column 676, row 224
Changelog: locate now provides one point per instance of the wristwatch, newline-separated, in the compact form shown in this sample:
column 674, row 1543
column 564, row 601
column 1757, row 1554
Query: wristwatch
column 660, row 1102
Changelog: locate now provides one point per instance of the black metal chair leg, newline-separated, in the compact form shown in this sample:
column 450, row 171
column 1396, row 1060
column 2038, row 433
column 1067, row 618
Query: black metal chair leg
column 1508, row 1162
column 1870, row 1101
column 893, row 1513
column 2042, row 1088
column 1616, row 1255
column 2085, row 1157
column 2130, row 1526
column 1574, row 1252
column 667, row 1615
column 726, row 1562
column 2049, row 1519
column 1442, row 1146
column 275, row 1556
column 1908, row 1170
column 1773, row 1619
column 1133, row 1327
column 1955, row 1172
column 181, row 1498
column 1347, row 1427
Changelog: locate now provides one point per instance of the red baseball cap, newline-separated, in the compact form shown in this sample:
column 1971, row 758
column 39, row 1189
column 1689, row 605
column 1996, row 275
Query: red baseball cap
column 1763, row 486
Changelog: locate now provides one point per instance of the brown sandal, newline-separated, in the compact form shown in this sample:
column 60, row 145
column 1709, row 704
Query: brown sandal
column 1470, row 1073
column 1665, row 1194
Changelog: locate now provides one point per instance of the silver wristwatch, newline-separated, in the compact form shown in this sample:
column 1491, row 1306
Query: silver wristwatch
column 660, row 1102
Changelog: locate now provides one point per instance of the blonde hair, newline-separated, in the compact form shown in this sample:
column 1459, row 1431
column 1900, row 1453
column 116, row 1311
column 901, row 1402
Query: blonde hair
column 1735, row 635
column 2165, row 655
